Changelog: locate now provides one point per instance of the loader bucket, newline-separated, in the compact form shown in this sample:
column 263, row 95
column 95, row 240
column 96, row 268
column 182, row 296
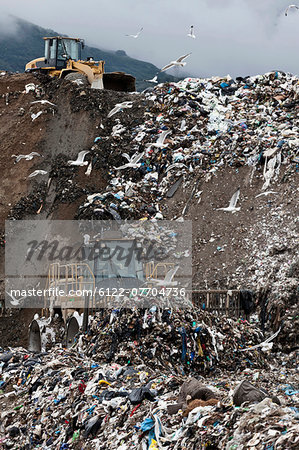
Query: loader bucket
column 119, row 81
column 35, row 344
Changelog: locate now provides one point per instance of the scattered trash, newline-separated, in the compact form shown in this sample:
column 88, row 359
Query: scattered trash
column 30, row 87
column 123, row 383
column 127, row 381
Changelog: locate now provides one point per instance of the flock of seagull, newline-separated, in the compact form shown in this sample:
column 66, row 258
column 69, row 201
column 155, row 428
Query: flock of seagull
column 180, row 61
column 177, row 63
column 133, row 161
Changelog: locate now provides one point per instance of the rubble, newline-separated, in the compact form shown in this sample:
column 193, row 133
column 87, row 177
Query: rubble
column 179, row 151
column 125, row 384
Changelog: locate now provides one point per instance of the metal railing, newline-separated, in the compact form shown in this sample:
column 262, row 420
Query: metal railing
column 218, row 302
column 157, row 271
column 70, row 278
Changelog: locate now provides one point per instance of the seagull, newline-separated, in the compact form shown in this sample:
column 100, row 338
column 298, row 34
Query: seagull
column 27, row 157
column 232, row 203
column 266, row 193
column 133, row 161
column 289, row 7
column 178, row 62
column 35, row 116
column 153, row 80
column 119, row 107
column 37, row 172
column 135, row 36
column 43, row 102
column 177, row 165
column 191, row 33
column 14, row 301
column 167, row 281
column 160, row 141
column 80, row 159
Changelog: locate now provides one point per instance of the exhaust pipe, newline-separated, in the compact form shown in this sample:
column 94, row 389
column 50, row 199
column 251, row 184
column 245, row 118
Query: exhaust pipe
column 71, row 331
column 43, row 333
column 35, row 341
column 74, row 324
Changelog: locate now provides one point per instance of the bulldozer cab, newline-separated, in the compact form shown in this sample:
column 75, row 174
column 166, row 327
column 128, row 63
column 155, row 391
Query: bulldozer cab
column 121, row 268
column 63, row 59
column 59, row 50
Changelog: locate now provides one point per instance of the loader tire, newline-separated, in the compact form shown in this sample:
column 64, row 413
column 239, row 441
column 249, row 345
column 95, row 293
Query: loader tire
column 78, row 78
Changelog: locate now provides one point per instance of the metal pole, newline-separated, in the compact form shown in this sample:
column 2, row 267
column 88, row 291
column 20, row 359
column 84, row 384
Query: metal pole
column 85, row 313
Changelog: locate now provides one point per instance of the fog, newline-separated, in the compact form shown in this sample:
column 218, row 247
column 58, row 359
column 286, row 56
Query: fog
column 238, row 37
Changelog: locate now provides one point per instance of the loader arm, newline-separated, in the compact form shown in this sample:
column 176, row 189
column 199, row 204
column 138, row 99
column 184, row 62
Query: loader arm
column 93, row 73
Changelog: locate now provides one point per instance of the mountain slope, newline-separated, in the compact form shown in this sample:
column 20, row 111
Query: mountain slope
column 28, row 44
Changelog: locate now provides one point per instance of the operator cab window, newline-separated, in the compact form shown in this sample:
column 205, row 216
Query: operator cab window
column 72, row 49
column 47, row 50
column 53, row 48
column 61, row 55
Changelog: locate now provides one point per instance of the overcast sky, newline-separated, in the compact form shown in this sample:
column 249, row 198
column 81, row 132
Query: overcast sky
column 239, row 37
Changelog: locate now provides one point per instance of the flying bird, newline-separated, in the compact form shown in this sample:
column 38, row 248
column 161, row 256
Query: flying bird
column 135, row 36
column 168, row 279
column 160, row 141
column 80, row 159
column 133, row 161
column 179, row 62
column 232, row 204
column 14, row 301
column 119, row 107
column 177, row 165
column 266, row 193
column 27, row 157
column 289, row 7
column 43, row 102
column 191, row 32
column 153, row 80
column 37, row 172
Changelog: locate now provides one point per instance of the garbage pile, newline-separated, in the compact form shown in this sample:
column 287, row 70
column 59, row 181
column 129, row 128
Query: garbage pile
column 165, row 146
column 181, row 342
column 148, row 144
column 135, row 381
column 190, row 131
column 194, row 128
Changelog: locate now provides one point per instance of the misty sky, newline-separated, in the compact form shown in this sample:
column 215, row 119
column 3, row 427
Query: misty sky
column 239, row 37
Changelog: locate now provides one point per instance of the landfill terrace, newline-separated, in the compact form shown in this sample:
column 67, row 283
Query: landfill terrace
column 221, row 152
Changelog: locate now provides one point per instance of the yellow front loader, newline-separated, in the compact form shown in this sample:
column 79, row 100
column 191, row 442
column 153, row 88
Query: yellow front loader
column 63, row 60
column 74, row 290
